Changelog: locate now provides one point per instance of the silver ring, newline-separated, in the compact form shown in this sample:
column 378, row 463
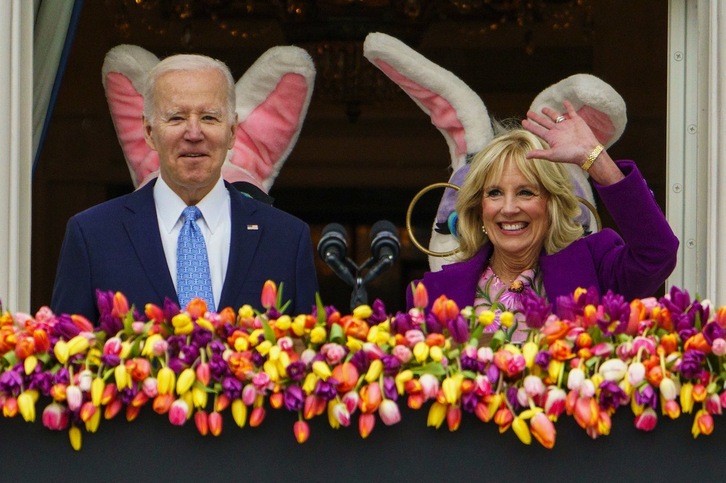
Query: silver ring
column 560, row 119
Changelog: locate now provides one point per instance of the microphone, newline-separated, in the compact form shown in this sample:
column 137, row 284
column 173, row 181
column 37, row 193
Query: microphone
column 385, row 247
column 332, row 247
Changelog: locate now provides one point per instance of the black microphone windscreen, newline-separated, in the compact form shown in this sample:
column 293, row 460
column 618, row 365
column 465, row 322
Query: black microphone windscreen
column 384, row 239
column 333, row 237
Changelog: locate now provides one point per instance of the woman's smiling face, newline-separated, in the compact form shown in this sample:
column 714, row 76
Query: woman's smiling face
column 514, row 213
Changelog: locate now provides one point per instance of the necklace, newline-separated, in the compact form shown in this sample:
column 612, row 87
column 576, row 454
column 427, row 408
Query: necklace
column 515, row 286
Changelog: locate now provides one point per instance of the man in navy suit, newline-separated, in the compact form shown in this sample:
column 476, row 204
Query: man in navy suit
column 129, row 244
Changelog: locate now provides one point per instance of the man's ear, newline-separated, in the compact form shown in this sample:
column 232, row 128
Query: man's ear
column 147, row 132
column 233, row 136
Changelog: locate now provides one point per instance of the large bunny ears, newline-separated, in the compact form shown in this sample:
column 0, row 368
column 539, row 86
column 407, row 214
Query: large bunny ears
column 456, row 111
column 594, row 100
column 272, row 100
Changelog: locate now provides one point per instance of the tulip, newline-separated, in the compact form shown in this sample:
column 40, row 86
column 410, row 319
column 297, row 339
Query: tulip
column 671, row 409
column 503, row 418
column 482, row 412
column 97, row 387
column 713, row 404
column 575, row 379
column 667, row 389
column 401, row 379
column 113, row 408
column 301, row 431
column 199, row 396
column 520, row 428
column 586, row 411
column 239, row 413
column 29, row 364
column 647, row 420
column 451, row 387
column 453, row 417
column 370, row 397
column 702, row 423
column 420, row 296
column 351, row 399
column 215, row 423
column 178, row 412
column 322, row 370
column 687, row 398
column 437, row 414
column 338, row 414
column 374, row 370
column 201, row 421
column 74, row 435
column 366, row 422
column 10, row 407
column 277, row 399
column 122, row 377
column 613, row 370
column 257, row 416
column 389, row 412
column 543, row 430
column 185, row 381
column 77, row 345
column 93, row 422
column 162, row 403
column 555, row 402
column 55, row 417
column 636, row 373
column 74, row 397
column 268, row 298
column 87, row 411
column 61, row 351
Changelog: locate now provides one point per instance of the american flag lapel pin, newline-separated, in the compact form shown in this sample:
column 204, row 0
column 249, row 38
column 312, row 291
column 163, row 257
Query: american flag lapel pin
column 253, row 227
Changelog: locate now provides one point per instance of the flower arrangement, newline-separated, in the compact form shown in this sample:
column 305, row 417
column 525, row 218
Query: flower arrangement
column 585, row 357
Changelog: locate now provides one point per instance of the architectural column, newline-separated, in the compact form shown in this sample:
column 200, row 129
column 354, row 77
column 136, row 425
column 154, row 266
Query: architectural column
column 16, row 104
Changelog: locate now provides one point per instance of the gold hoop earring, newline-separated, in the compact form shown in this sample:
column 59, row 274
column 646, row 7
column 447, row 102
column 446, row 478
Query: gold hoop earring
column 408, row 220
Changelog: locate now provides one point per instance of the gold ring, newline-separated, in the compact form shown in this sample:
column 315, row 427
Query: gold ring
column 408, row 220
column 560, row 119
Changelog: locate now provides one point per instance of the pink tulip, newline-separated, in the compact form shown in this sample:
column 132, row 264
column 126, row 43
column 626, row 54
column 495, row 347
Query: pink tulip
column 389, row 412
column 702, row 424
column 55, row 417
column 351, row 399
column 257, row 416
column 420, row 296
column 269, row 294
column 215, row 423
column 555, row 402
column 201, row 420
column 341, row 414
column 647, row 420
column 74, row 397
column 178, row 412
column 453, row 417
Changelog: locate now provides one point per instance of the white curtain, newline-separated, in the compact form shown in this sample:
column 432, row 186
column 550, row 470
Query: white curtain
column 16, row 97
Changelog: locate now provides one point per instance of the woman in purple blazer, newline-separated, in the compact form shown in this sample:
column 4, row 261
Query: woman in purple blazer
column 517, row 223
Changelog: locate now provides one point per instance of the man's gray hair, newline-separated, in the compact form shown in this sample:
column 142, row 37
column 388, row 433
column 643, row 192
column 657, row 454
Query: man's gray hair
column 187, row 62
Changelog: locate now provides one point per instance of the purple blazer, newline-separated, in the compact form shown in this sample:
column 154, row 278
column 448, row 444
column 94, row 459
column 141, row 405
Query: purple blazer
column 634, row 266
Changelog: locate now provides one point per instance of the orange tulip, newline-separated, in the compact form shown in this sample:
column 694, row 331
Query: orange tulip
column 543, row 430
column 268, row 298
column 347, row 375
column 301, row 431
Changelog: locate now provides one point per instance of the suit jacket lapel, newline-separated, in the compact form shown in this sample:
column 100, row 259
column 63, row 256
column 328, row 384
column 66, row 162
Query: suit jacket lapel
column 142, row 227
column 246, row 232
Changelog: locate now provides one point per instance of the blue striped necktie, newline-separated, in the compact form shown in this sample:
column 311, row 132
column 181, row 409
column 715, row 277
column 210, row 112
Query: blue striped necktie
column 192, row 264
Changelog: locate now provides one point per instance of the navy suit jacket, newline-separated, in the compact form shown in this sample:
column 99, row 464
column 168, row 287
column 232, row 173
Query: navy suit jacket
column 116, row 246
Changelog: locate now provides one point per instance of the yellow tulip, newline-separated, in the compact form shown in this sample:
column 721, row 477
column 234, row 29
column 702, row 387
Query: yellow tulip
column 322, row 370
column 264, row 347
column 311, row 380
column 97, row 388
column 362, row 312
column 166, row 381
column 239, row 413
column 529, row 351
column 318, row 335
column 74, row 435
column 298, row 325
column 283, row 322
column 199, row 396
column 205, row 324
column 122, row 377
column 402, row 378
column 374, row 370
column 687, row 398
column 30, row 363
column 436, row 353
column 61, row 351
column 185, row 381
column 93, row 422
column 26, row 406
column 270, row 368
column 421, row 351
column 148, row 349
column 77, row 345
column 437, row 414
column 521, row 429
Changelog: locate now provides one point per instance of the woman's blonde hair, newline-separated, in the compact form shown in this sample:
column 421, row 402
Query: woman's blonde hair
column 486, row 169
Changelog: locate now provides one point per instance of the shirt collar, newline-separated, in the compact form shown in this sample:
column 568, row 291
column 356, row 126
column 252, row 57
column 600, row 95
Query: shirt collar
column 169, row 205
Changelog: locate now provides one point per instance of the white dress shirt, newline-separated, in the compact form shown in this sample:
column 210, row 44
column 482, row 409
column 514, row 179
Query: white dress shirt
column 215, row 223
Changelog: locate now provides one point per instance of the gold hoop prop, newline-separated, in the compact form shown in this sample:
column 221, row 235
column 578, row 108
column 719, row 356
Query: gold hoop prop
column 408, row 220
column 593, row 211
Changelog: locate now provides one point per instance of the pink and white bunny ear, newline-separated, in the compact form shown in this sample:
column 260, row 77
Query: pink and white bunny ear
column 123, row 75
column 272, row 100
column 594, row 100
column 456, row 110
column 604, row 111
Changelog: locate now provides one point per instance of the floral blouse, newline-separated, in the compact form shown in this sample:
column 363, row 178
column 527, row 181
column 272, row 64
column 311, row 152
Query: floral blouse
column 495, row 295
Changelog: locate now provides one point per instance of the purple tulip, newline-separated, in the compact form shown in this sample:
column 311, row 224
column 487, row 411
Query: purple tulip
column 536, row 309
column 713, row 331
column 294, row 398
column 459, row 329
column 296, row 371
column 232, row 387
column 691, row 363
column 611, row 395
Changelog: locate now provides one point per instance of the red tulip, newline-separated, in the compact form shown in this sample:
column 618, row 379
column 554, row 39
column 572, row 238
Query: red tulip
column 366, row 422
column 301, row 430
column 269, row 294
column 215, row 423
column 201, row 421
